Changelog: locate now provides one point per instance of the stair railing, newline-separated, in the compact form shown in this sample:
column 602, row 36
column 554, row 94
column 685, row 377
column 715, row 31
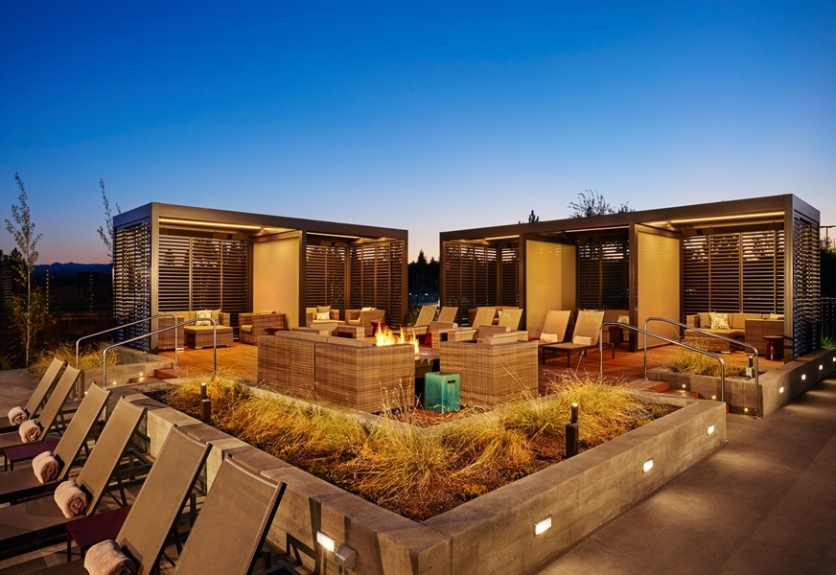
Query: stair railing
column 149, row 334
column 662, row 337
column 159, row 315
column 717, row 336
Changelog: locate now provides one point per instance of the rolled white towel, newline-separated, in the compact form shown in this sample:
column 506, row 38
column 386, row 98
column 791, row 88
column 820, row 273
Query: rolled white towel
column 18, row 415
column 582, row 340
column 70, row 499
column 548, row 337
column 30, row 430
column 106, row 558
column 46, row 467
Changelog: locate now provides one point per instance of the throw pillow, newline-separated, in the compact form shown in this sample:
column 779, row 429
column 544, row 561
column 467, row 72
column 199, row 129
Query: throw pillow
column 204, row 314
column 624, row 319
column 323, row 316
column 367, row 309
column 776, row 316
column 719, row 320
column 323, row 309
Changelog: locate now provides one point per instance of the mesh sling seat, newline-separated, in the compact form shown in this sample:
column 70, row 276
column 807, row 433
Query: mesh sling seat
column 425, row 318
column 50, row 411
column 587, row 329
column 37, row 398
column 447, row 314
column 34, row 522
column 232, row 525
column 155, row 511
column 21, row 483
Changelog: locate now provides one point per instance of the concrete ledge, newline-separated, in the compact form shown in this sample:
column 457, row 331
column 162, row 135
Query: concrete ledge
column 493, row 533
column 777, row 386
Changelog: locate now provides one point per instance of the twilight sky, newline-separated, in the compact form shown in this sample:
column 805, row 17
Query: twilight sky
column 427, row 116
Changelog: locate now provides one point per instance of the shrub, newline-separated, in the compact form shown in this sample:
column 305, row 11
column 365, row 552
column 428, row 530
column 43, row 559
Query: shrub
column 687, row 361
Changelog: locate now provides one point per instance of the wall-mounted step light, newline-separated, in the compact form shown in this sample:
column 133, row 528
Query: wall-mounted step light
column 647, row 465
column 543, row 525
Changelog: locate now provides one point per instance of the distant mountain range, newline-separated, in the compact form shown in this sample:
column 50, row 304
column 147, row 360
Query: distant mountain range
column 71, row 269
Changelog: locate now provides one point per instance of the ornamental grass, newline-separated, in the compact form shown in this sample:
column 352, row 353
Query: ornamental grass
column 88, row 357
column 387, row 458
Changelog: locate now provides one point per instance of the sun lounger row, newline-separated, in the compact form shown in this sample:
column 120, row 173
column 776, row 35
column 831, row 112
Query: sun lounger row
column 229, row 531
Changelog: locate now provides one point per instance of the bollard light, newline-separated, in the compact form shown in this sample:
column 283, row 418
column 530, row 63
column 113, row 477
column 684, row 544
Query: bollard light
column 202, row 391
column 574, row 413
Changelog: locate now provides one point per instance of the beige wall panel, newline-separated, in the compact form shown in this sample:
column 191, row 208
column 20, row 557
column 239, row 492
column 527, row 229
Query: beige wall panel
column 550, row 281
column 276, row 278
column 658, row 289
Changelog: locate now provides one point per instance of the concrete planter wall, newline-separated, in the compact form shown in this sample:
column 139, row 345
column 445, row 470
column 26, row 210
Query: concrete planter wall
column 491, row 534
column 777, row 386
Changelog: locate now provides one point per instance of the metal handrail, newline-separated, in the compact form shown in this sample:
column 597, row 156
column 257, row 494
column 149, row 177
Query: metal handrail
column 159, row 315
column 662, row 337
column 149, row 334
column 718, row 336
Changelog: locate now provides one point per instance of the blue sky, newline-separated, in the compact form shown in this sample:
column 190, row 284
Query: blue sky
column 427, row 116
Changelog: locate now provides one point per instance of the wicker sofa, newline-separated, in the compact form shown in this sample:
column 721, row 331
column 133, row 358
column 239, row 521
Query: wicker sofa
column 254, row 325
column 492, row 372
column 736, row 330
column 197, row 337
column 347, row 372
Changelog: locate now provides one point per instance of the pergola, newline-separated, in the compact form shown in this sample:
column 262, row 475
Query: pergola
column 170, row 257
column 756, row 255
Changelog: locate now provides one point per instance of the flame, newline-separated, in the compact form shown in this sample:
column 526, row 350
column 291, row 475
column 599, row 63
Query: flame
column 385, row 336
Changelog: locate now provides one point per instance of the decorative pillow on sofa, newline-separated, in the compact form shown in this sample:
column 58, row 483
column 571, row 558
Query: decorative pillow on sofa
column 624, row 319
column 367, row 309
column 322, row 316
column 719, row 320
column 205, row 313
column 323, row 309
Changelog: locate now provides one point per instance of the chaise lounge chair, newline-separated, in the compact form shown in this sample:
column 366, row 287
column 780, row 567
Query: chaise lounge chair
column 425, row 318
column 21, row 483
column 447, row 314
column 584, row 336
column 232, row 525
column 49, row 413
column 37, row 398
column 510, row 318
column 156, row 509
column 33, row 522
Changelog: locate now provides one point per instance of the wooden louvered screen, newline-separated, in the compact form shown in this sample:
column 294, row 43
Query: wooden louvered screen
column 763, row 267
column 806, row 288
column 476, row 275
column 724, row 291
column 326, row 265
column 603, row 273
column 509, row 256
column 202, row 273
column 736, row 272
column 696, row 274
column 132, row 281
column 173, row 291
column 376, row 278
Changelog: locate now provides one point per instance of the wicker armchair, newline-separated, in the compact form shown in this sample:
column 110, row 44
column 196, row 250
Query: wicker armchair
column 257, row 324
column 365, row 318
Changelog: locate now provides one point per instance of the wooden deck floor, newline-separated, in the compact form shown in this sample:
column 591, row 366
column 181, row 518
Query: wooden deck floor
column 241, row 360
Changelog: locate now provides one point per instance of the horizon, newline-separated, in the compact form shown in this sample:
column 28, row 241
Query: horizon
column 427, row 117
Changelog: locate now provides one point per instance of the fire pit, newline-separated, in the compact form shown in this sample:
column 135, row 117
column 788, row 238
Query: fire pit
column 383, row 335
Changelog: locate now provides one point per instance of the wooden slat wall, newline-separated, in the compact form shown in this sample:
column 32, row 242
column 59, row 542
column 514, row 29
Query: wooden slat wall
column 326, row 275
column 806, row 288
column 132, row 281
column 603, row 273
column 376, row 278
column 470, row 273
column 202, row 273
column 735, row 272
column 509, row 256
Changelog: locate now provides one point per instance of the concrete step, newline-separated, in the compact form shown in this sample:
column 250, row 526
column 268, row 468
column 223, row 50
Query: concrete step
column 145, row 379
column 170, row 373
column 649, row 385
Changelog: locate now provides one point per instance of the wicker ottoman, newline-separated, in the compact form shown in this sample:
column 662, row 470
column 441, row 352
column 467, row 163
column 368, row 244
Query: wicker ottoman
column 201, row 336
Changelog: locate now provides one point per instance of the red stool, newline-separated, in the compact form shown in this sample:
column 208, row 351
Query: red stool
column 774, row 347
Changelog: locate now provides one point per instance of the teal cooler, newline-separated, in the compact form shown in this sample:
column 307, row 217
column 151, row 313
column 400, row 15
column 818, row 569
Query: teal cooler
column 442, row 391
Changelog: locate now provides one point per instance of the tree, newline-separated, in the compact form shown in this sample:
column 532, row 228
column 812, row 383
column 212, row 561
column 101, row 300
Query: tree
column 532, row 218
column 108, row 235
column 29, row 308
column 591, row 203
